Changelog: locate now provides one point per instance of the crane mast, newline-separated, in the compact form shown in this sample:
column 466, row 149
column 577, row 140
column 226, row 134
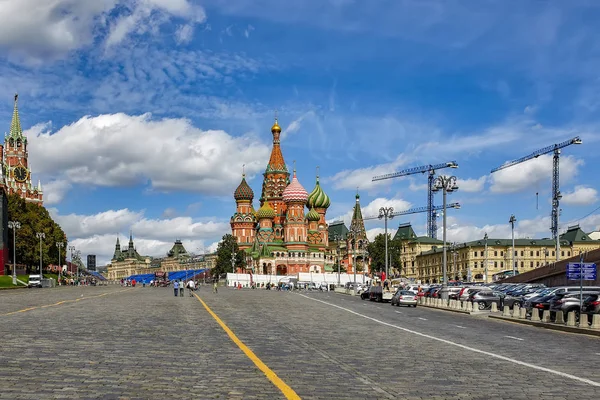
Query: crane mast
column 556, row 195
column 416, row 210
column 431, row 209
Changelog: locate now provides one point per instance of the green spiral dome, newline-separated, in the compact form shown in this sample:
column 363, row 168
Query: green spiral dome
column 265, row 211
column 317, row 198
column 313, row 215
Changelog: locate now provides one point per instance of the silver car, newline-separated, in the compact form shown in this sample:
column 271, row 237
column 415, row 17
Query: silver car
column 404, row 298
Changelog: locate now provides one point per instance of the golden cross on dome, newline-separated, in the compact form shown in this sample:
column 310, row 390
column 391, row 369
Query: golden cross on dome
column 317, row 172
column 243, row 169
column 294, row 166
column 275, row 115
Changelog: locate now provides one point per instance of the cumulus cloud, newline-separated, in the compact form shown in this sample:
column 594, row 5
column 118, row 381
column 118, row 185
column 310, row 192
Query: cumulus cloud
column 472, row 185
column 55, row 191
column 532, row 173
column 38, row 30
column 581, row 196
column 124, row 150
column 97, row 233
column 372, row 209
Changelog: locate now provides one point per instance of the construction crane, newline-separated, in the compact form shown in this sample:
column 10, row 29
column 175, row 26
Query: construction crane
column 430, row 169
column 416, row 211
column 556, row 196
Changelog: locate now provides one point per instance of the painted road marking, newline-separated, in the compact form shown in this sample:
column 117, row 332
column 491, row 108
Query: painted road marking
column 462, row 346
column 287, row 391
column 461, row 327
column 512, row 337
column 423, row 319
column 59, row 303
column 399, row 312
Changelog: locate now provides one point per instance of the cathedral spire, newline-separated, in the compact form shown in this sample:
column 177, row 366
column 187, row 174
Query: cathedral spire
column 16, row 131
column 358, row 224
column 276, row 162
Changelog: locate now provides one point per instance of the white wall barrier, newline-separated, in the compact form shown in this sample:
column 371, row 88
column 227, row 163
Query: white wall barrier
column 244, row 279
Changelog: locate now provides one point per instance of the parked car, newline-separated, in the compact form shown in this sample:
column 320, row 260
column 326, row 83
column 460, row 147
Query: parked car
column 404, row 298
column 365, row 294
column 485, row 298
column 35, row 281
column 591, row 306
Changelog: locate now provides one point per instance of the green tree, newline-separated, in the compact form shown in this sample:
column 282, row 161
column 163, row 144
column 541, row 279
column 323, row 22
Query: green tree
column 33, row 219
column 225, row 249
column 377, row 252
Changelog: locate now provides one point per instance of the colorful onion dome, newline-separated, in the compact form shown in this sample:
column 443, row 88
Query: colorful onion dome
column 265, row 211
column 294, row 192
column 243, row 191
column 313, row 215
column 317, row 198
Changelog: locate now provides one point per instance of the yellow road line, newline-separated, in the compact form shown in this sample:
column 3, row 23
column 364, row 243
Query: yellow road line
column 60, row 302
column 287, row 391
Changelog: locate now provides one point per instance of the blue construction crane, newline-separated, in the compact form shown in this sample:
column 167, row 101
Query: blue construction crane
column 431, row 214
column 556, row 196
column 416, row 211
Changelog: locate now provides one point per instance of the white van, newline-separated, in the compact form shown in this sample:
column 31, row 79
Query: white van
column 35, row 281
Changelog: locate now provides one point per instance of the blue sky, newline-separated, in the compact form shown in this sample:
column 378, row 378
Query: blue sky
column 140, row 114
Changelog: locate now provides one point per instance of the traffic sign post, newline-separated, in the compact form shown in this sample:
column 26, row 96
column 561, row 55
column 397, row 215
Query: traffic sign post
column 583, row 272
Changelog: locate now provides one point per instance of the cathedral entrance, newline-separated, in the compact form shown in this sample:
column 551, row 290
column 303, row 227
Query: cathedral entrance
column 281, row 270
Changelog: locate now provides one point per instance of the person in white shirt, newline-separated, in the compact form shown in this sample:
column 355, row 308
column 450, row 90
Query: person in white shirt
column 191, row 286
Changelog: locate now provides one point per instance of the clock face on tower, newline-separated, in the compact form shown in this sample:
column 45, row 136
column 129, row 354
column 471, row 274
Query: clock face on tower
column 20, row 174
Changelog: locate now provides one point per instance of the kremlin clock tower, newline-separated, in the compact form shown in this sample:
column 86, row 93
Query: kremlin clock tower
column 16, row 178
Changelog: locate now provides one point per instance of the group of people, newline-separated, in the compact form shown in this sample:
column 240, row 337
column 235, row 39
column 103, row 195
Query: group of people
column 180, row 285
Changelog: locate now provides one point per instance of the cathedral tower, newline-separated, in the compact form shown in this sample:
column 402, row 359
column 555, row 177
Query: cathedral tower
column 357, row 239
column 276, row 178
column 318, row 202
column 295, row 197
column 243, row 222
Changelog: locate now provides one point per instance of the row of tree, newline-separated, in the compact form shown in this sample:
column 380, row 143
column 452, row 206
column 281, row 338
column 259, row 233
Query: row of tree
column 33, row 219
column 376, row 249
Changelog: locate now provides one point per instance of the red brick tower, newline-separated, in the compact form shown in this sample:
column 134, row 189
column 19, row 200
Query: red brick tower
column 16, row 171
column 243, row 222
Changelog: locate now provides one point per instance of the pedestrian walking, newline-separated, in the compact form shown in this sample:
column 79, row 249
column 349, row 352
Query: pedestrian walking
column 215, row 286
column 191, row 288
column 181, row 288
column 176, row 287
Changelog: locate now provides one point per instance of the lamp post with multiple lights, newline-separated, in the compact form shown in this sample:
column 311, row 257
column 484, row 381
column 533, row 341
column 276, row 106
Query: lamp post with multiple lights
column 14, row 225
column 41, row 236
column 447, row 184
column 386, row 213
column 60, row 245
column 512, row 221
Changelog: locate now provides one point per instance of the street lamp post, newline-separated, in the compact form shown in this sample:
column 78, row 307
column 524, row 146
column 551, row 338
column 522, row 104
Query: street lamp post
column 485, row 267
column 71, row 250
column 336, row 238
column 60, row 245
column 386, row 213
column 14, row 225
column 447, row 184
column 512, row 221
column 41, row 236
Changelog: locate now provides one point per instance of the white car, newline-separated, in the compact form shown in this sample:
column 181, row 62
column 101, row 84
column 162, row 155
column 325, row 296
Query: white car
column 35, row 281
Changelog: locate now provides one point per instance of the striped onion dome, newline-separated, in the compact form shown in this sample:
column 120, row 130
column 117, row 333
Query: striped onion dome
column 266, row 211
column 313, row 215
column 317, row 198
column 243, row 191
column 294, row 192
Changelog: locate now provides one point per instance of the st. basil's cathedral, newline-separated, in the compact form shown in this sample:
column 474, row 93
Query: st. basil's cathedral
column 280, row 238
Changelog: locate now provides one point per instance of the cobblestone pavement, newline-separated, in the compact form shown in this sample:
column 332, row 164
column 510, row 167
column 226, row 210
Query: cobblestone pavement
column 144, row 343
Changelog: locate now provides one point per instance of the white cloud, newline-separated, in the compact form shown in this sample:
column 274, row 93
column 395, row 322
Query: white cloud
column 184, row 33
column 247, row 31
column 581, row 196
column 96, row 234
column 362, row 178
column 169, row 154
column 55, row 191
column 532, row 173
column 472, row 185
column 52, row 28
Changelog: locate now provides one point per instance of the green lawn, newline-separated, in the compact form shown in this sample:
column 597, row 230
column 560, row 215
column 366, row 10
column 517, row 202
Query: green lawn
column 6, row 280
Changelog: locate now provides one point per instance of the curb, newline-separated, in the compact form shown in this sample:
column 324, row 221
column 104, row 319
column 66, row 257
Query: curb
column 449, row 309
column 545, row 325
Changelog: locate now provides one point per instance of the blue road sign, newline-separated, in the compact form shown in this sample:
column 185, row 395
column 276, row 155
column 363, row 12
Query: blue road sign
column 582, row 271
